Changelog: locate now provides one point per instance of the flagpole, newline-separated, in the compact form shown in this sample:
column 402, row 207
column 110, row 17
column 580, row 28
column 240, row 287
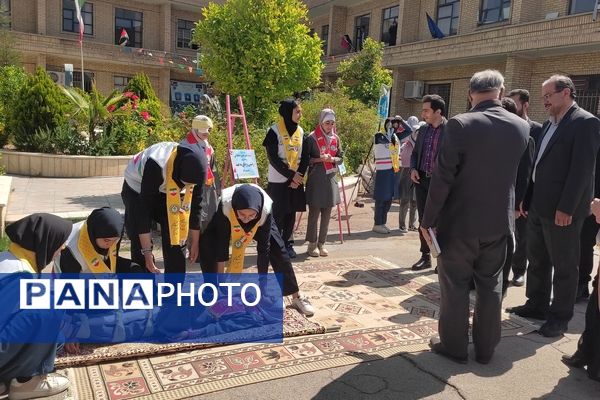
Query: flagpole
column 82, row 73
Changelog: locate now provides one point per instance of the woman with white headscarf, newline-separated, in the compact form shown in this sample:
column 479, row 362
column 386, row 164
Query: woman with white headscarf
column 322, row 193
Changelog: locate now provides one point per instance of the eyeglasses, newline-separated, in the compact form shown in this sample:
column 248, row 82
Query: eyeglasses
column 548, row 95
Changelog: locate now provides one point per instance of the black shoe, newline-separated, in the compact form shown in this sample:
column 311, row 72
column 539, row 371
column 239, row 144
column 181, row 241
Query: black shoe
column 423, row 263
column 526, row 311
column 583, row 293
column 438, row 348
column 553, row 329
column 577, row 360
column 483, row 359
column 291, row 251
column 518, row 280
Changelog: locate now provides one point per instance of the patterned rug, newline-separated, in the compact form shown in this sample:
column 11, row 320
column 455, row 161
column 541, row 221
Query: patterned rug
column 380, row 310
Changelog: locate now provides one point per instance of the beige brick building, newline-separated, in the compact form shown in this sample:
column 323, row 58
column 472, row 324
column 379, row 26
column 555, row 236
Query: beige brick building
column 46, row 33
column 527, row 40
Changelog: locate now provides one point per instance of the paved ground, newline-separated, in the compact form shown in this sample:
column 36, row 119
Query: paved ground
column 525, row 367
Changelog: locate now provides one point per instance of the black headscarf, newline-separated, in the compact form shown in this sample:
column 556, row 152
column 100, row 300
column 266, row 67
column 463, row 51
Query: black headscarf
column 247, row 197
column 286, row 110
column 189, row 166
column 41, row 233
column 104, row 222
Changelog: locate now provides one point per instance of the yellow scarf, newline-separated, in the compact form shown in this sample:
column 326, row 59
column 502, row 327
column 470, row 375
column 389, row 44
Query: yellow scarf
column 291, row 144
column 239, row 241
column 27, row 257
column 178, row 211
column 95, row 261
column 395, row 154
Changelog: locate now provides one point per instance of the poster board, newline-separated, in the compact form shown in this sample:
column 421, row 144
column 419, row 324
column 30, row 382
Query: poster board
column 244, row 164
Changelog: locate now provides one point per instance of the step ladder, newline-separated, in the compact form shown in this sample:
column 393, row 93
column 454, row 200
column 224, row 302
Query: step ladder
column 228, row 173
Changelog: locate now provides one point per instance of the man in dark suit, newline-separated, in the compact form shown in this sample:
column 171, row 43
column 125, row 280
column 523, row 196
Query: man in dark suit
column 471, row 205
column 423, row 161
column 561, row 192
column 518, row 261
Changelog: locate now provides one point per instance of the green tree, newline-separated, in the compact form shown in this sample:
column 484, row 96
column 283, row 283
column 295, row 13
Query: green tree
column 8, row 55
column 141, row 86
column 259, row 49
column 363, row 75
column 12, row 79
column 40, row 104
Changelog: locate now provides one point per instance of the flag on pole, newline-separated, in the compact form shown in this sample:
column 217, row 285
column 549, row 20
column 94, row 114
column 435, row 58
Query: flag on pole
column 383, row 107
column 78, row 6
column 124, row 39
column 435, row 30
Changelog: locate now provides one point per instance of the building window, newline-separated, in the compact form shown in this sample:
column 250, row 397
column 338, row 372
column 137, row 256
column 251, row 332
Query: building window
column 361, row 30
column 587, row 89
column 325, row 37
column 185, row 29
column 581, row 6
column 121, row 82
column 448, row 12
column 389, row 25
column 441, row 89
column 494, row 11
column 89, row 79
column 132, row 22
column 5, row 14
column 69, row 17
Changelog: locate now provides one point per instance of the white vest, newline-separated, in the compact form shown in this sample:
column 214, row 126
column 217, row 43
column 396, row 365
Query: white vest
column 227, row 195
column 160, row 153
column 275, row 176
column 9, row 264
column 72, row 245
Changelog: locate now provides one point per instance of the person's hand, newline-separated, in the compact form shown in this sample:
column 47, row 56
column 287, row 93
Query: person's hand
column 522, row 211
column 297, row 179
column 150, row 266
column 72, row 348
column 193, row 249
column 426, row 236
column 596, row 209
column 414, row 176
column 327, row 158
column 294, row 185
column 562, row 219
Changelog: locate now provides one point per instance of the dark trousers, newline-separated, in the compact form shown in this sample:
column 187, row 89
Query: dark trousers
column 421, row 190
column 589, row 342
column 519, row 259
column 278, row 258
column 510, row 252
column 548, row 246
column 174, row 256
column 285, row 221
column 462, row 262
column 588, row 241
column 382, row 207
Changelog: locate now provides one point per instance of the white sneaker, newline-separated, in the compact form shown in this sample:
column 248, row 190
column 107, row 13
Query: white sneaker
column 380, row 229
column 3, row 391
column 386, row 228
column 322, row 250
column 312, row 249
column 303, row 305
column 38, row 386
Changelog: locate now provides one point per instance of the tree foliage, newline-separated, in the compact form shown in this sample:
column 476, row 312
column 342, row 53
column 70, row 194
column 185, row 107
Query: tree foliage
column 12, row 79
column 8, row 55
column 363, row 74
column 259, row 49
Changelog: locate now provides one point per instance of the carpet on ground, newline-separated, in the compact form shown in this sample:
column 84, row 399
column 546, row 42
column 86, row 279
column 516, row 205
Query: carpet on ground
column 380, row 310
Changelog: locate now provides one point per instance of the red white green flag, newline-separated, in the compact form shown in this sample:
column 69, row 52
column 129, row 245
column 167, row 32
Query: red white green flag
column 124, row 39
column 78, row 6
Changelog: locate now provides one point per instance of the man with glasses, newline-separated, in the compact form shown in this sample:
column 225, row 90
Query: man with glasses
column 561, row 190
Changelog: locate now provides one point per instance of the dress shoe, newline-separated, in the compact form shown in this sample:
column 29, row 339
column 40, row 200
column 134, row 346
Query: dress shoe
column 583, row 293
column 423, row 263
column 438, row 348
column 526, row 311
column 291, row 251
column 553, row 328
column 518, row 280
column 577, row 360
column 483, row 359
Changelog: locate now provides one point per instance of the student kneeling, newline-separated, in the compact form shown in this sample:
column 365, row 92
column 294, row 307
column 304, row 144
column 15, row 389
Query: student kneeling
column 244, row 214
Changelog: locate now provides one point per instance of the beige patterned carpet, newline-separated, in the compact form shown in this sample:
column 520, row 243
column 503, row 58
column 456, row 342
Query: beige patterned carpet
column 380, row 310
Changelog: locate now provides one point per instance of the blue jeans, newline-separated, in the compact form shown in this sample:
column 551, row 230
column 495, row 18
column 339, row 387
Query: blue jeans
column 381, row 211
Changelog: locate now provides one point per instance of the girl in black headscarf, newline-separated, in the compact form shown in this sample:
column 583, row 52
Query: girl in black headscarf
column 288, row 162
column 155, row 180
column 93, row 245
column 243, row 215
column 36, row 240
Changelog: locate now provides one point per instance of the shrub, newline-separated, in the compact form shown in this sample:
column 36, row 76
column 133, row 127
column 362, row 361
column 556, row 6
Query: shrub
column 39, row 104
column 12, row 80
column 141, row 86
column 63, row 139
column 356, row 123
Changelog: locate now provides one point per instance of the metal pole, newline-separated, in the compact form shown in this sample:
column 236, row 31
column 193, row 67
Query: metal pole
column 82, row 73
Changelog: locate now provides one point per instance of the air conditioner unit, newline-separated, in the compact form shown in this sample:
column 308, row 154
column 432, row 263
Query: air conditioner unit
column 413, row 89
column 57, row 77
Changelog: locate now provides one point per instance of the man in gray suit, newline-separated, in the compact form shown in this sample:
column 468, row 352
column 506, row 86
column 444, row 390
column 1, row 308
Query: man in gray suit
column 471, row 206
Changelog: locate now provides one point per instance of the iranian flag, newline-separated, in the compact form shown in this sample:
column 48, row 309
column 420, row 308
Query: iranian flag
column 78, row 6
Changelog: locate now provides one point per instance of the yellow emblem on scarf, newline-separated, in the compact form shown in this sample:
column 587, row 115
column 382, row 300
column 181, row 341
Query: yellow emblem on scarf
column 178, row 211
column 240, row 239
column 25, row 256
column 395, row 155
column 291, row 144
column 95, row 261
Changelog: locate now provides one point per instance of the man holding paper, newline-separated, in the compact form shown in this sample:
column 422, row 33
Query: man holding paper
column 470, row 206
